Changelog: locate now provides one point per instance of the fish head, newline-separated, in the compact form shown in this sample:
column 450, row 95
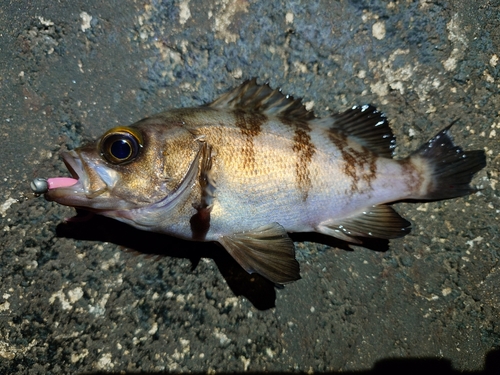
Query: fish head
column 128, row 167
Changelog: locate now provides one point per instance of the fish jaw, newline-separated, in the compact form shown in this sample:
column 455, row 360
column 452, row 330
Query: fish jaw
column 91, row 185
column 68, row 195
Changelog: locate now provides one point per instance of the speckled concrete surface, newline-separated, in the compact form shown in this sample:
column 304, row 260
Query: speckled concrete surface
column 71, row 300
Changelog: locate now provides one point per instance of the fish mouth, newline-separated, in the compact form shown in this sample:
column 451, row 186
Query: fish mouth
column 73, row 164
column 65, row 190
column 88, row 186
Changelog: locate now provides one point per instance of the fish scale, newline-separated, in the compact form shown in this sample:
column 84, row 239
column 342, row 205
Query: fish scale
column 280, row 179
column 254, row 165
column 272, row 174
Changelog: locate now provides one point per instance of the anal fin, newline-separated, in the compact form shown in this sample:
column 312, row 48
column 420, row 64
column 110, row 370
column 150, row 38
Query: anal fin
column 266, row 250
column 374, row 222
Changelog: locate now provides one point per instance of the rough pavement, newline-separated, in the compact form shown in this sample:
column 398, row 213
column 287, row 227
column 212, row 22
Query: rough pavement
column 72, row 300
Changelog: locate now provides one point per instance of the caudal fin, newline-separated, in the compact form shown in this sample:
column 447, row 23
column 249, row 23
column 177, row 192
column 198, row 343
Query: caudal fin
column 451, row 168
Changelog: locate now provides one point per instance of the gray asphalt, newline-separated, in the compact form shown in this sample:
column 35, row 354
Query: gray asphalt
column 99, row 296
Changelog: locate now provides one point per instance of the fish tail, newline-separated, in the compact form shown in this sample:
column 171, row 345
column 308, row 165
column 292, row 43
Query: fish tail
column 450, row 168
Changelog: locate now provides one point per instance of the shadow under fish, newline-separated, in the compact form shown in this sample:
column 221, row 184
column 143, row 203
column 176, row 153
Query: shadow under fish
column 256, row 288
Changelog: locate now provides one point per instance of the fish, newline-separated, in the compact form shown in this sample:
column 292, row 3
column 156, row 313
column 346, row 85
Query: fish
column 255, row 165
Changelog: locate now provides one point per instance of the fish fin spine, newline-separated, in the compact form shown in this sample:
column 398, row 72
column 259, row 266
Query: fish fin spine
column 365, row 125
column 250, row 96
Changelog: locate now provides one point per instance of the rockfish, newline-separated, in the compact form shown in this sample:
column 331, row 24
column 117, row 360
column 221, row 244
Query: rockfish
column 254, row 165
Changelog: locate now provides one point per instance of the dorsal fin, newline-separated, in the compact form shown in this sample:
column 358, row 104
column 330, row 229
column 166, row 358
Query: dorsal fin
column 368, row 126
column 250, row 96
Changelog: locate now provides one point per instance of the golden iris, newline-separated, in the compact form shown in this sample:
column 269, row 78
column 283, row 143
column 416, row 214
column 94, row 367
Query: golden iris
column 121, row 145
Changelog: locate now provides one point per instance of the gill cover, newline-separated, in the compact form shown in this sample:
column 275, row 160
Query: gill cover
column 121, row 145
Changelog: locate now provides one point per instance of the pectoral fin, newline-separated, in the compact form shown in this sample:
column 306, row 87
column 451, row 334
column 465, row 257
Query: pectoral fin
column 200, row 222
column 266, row 250
column 375, row 222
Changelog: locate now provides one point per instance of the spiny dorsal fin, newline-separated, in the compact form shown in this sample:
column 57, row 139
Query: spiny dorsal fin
column 376, row 222
column 368, row 126
column 250, row 96
column 266, row 250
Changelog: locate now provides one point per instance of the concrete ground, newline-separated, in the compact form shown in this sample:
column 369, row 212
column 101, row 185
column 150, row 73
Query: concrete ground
column 72, row 300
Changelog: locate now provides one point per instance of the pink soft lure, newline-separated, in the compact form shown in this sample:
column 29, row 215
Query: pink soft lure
column 42, row 185
column 57, row 182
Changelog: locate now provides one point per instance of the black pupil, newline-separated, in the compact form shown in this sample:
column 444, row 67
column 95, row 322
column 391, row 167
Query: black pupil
column 121, row 149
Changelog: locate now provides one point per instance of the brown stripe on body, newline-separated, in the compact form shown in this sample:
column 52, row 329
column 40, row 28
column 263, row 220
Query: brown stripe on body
column 358, row 165
column 366, row 161
column 414, row 177
column 250, row 125
column 304, row 150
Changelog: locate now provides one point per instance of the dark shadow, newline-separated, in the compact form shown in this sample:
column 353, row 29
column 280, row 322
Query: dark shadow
column 492, row 362
column 413, row 366
column 257, row 289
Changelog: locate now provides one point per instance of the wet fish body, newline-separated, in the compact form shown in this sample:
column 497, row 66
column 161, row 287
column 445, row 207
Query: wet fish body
column 254, row 165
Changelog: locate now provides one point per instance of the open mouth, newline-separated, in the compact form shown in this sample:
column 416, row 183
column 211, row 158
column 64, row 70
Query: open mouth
column 73, row 164
column 64, row 182
column 56, row 188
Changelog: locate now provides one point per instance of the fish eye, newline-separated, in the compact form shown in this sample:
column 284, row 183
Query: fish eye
column 120, row 145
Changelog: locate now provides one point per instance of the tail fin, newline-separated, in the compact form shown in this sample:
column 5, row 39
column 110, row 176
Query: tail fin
column 452, row 168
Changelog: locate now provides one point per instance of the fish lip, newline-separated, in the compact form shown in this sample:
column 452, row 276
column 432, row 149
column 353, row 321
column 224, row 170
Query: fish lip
column 73, row 164
column 69, row 193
